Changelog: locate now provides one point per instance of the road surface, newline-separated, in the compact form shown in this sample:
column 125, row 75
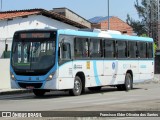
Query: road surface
column 144, row 97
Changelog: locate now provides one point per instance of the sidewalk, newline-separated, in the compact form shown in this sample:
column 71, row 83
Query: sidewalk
column 8, row 91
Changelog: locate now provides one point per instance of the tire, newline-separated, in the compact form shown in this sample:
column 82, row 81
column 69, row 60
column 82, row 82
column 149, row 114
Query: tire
column 38, row 92
column 95, row 89
column 77, row 90
column 128, row 82
column 128, row 85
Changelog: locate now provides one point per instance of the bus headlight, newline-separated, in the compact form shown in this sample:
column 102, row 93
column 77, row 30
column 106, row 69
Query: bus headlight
column 50, row 77
column 12, row 76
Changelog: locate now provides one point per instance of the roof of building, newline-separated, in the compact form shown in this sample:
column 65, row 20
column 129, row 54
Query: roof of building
column 99, row 19
column 71, row 12
column 7, row 15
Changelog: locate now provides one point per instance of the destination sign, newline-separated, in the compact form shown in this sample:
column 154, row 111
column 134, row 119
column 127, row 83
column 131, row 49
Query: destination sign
column 34, row 35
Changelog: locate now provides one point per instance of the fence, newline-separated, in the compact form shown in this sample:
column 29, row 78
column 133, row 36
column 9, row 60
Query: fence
column 5, row 47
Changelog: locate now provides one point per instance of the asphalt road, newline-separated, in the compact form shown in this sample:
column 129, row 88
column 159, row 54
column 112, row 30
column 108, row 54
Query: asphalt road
column 144, row 97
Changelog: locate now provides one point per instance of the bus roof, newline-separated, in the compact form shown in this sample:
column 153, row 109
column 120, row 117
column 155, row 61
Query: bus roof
column 104, row 34
column 97, row 33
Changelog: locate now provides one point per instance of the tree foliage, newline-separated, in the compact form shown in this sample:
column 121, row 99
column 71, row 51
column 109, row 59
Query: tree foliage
column 141, row 9
column 139, row 26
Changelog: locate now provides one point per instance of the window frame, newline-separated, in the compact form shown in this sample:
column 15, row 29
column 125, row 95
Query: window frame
column 87, row 39
column 136, row 52
column 126, row 49
column 104, row 48
column 138, row 44
column 101, row 48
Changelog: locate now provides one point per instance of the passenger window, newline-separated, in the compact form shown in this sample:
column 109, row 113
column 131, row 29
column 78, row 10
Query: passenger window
column 132, row 46
column 122, row 49
column 150, row 50
column 81, row 48
column 95, row 49
column 109, row 48
column 66, row 47
column 142, row 50
column 66, row 51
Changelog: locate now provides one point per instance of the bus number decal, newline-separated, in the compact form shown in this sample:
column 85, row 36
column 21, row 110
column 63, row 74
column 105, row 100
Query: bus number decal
column 88, row 64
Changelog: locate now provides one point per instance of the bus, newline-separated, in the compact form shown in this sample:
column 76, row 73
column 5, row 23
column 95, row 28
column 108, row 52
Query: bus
column 50, row 59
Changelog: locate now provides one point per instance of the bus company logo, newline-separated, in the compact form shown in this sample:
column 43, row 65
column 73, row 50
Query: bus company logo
column 113, row 65
column 6, row 114
column 77, row 66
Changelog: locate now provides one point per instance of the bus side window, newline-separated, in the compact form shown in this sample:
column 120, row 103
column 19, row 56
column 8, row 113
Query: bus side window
column 109, row 49
column 66, row 47
column 81, row 46
column 95, row 49
column 142, row 50
column 121, row 48
column 137, row 51
column 132, row 47
column 149, row 50
column 66, row 51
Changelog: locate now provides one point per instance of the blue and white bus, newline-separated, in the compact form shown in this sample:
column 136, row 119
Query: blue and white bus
column 45, row 60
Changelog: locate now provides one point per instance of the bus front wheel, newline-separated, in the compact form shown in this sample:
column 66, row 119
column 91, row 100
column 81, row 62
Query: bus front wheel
column 77, row 90
column 38, row 92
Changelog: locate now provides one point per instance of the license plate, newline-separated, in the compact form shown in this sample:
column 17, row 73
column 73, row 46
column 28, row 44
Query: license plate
column 30, row 87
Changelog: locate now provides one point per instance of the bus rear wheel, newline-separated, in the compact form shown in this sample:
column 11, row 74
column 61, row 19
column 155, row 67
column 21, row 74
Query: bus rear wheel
column 77, row 90
column 128, row 85
column 38, row 92
column 128, row 82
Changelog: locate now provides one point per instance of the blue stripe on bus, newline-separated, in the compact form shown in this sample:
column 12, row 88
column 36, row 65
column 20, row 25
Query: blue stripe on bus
column 96, row 73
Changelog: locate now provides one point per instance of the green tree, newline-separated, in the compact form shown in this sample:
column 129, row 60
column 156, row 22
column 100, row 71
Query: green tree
column 139, row 26
column 155, row 48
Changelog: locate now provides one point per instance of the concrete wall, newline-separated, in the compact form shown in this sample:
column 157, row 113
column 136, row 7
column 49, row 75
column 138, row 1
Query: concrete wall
column 8, row 27
column 4, row 74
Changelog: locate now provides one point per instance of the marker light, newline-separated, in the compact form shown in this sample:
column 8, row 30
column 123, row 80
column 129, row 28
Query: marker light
column 50, row 77
column 12, row 76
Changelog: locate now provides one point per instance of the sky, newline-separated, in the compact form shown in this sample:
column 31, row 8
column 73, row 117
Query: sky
column 85, row 8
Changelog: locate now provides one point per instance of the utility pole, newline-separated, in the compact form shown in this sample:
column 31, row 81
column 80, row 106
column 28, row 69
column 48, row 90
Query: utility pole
column 1, row 5
column 108, row 17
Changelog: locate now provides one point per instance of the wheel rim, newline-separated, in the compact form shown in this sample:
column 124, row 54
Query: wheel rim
column 128, row 82
column 77, row 86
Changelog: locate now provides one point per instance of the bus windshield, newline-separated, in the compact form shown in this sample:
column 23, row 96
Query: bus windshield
column 33, row 56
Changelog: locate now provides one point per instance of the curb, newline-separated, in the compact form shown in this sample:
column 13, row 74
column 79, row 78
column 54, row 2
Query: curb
column 10, row 92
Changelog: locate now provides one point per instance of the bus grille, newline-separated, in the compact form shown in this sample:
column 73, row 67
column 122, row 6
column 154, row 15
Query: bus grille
column 26, row 85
